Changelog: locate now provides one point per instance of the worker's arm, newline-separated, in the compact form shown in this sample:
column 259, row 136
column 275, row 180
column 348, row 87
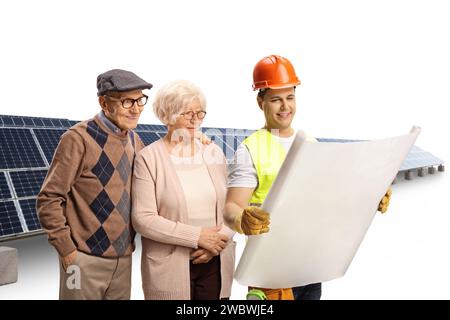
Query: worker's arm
column 237, row 200
column 242, row 218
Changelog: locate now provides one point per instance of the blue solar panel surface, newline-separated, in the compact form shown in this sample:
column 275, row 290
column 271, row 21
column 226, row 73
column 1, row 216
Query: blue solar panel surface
column 29, row 213
column 9, row 220
column 5, row 193
column 48, row 140
column 34, row 122
column 18, row 149
column 7, row 121
column 27, row 183
column 148, row 137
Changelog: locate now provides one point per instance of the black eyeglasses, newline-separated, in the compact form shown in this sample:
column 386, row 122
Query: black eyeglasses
column 190, row 114
column 128, row 103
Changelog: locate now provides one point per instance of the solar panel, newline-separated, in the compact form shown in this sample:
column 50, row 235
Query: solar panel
column 28, row 121
column 418, row 158
column 224, row 141
column 38, row 122
column 18, row 149
column 27, row 183
column 18, row 122
column 28, row 207
column 47, row 122
column 9, row 220
column 220, row 131
column 143, row 127
column 151, row 127
column 238, row 140
column 55, row 123
column 148, row 137
column 228, row 150
column 65, row 123
column 48, row 140
column 157, row 128
column 7, row 121
column 219, row 142
column 5, row 193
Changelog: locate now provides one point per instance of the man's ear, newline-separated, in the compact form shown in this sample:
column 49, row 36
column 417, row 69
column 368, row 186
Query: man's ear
column 107, row 109
column 102, row 103
column 260, row 102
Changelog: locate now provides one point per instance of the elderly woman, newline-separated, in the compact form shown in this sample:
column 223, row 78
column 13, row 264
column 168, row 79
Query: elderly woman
column 179, row 188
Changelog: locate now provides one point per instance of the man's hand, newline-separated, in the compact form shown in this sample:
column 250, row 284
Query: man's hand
column 211, row 240
column 69, row 259
column 384, row 203
column 201, row 256
column 252, row 221
column 204, row 139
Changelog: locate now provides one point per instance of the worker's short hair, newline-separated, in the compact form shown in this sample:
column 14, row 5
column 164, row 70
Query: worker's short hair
column 262, row 92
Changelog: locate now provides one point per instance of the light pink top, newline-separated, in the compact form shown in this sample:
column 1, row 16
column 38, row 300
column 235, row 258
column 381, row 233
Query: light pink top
column 198, row 190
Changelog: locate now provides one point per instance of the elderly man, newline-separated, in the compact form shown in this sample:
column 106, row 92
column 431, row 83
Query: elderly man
column 84, row 203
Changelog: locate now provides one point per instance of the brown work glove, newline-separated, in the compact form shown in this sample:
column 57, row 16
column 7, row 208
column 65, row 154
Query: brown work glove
column 384, row 203
column 252, row 221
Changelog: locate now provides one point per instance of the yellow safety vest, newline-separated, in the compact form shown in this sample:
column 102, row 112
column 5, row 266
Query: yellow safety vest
column 267, row 155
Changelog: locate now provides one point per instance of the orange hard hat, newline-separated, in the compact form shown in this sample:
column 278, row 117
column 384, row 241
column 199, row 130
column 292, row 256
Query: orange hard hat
column 274, row 72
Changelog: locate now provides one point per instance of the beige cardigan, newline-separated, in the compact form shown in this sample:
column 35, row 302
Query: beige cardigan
column 159, row 214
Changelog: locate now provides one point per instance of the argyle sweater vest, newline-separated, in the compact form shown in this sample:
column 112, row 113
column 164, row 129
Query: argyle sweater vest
column 105, row 191
column 94, row 165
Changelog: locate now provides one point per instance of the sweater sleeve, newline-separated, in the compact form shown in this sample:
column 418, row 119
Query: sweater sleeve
column 145, row 217
column 66, row 165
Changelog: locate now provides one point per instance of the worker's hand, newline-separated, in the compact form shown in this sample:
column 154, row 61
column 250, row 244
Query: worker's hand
column 201, row 256
column 211, row 240
column 384, row 203
column 68, row 260
column 252, row 221
column 204, row 139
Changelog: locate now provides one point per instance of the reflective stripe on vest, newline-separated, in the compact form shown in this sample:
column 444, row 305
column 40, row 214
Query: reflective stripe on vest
column 267, row 155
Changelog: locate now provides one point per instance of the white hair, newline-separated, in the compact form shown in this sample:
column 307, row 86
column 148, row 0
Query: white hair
column 173, row 97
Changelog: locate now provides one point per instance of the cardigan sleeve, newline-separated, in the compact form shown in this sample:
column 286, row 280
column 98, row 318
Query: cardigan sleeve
column 145, row 216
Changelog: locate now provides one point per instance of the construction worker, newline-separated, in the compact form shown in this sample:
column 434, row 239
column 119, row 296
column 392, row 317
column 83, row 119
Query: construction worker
column 258, row 159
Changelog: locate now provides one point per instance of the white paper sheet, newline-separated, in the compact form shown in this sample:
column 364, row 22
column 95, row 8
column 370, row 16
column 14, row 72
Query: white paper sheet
column 321, row 204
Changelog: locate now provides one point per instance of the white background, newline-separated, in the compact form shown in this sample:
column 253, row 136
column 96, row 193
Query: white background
column 369, row 69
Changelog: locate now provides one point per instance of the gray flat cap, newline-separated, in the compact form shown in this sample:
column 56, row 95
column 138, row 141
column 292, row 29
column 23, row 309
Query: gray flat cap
column 120, row 80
